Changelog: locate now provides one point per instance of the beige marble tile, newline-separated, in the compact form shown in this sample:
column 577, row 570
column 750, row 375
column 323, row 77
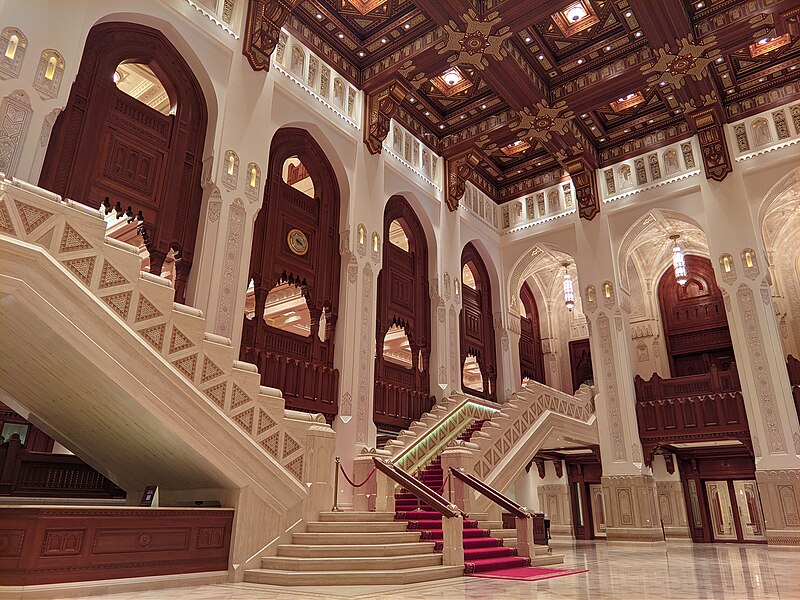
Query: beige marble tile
column 673, row 571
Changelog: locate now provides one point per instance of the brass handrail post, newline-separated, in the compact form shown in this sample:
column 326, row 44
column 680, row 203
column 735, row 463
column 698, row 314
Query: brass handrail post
column 336, row 488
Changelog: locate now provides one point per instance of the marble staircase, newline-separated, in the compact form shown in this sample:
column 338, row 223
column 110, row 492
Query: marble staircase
column 346, row 547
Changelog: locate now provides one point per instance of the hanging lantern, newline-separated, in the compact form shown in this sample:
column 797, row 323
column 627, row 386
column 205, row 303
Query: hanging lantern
column 678, row 261
column 569, row 293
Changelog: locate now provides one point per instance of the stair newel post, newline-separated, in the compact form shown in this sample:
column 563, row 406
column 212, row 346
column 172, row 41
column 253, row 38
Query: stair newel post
column 525, row 541
column 458, row 456
column 336, row 487
column 384, row 493
column 453, row 541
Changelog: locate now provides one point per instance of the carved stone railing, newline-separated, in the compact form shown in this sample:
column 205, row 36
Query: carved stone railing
column 516, row 423
column 425, row 439
column 695, row 408
column 74, row 235
column 47, row 475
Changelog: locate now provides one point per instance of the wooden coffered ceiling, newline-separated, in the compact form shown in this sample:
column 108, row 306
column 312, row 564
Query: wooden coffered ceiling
column 671, row 68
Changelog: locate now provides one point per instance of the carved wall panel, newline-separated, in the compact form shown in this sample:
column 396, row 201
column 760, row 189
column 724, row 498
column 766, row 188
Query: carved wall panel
column 531, row 359
column 15, row 116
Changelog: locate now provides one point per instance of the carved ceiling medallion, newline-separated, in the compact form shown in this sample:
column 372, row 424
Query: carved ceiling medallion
column 627, row 102
column 452, row 82
column 477, row 41
column 543, row 121
column 576, row 17
column 689, row 60
column 365, row 6
column 515, row 148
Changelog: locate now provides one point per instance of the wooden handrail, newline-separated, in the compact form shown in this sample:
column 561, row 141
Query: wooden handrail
column 416, row 487
column 491, row 493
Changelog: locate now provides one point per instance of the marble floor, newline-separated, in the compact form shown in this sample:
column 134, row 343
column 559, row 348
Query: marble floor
column 627, row 572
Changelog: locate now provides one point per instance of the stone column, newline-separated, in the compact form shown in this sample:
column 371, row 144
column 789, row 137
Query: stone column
column 671, row 502
column 741, row 270
column 629, row 488
column 509, row 333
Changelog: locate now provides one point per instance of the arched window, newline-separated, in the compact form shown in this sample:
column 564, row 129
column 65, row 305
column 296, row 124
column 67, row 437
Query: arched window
column 402, row 377
column 150, row 146
column 477, row 329
column 296, row 243
column 295, row 174
column 140, row 82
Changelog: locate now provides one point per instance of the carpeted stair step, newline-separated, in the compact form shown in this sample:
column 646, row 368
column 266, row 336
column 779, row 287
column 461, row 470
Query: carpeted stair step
column 436, row 534
column 430, row 524
column 473, row 554
column 483, row 565
column 482, row 542
column 416, row 515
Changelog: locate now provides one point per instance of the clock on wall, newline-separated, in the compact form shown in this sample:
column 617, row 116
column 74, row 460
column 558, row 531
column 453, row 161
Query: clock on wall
column 298, row 242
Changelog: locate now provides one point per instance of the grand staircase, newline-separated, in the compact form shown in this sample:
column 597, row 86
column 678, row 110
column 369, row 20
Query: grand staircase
column 348, row 548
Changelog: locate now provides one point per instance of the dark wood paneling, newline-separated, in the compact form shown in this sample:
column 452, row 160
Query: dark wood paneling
column 302, row 367
column 531, row 360
column 580, row 360
column 693, row 315
column 402, row 394
column 108, row 148
column 477, row 323
column 41, row 545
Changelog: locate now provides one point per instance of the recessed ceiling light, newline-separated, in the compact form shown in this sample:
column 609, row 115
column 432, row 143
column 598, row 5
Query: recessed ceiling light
column 584, row 115
column 700, row 4
column 638, row 34
column 528, row 40
column 383, row 40
column 793, row 67
column 724, row 75
column 677, row 110
column 720, row 59
column 629, row 14
column 483, row 106
column 427, row 113
column 441, row 126
column 593, row 127
column 608, row 48
column 580, row 61
column 760, row 80
column 412, row 99
column 663, row 83
column 576, row 13
column 730, row 91
column 361, row 53
column 626, row 130
column 602, row 139
column 461, row 117
column 541, row 57
column 319, row 16
column 341, row 35
column 452, row 77
column 651, row 120
column 670, row 97
column 407, row 26
column 519, row 170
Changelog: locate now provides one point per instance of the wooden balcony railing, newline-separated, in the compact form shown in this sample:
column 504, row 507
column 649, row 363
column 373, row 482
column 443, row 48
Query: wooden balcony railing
column 696, row 408
column 397, row 406
column 306, row 386
column 45, row 475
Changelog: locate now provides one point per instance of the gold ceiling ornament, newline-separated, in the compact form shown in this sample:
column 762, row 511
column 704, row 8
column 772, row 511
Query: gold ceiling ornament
column 477, row 42
column 407, row 68
column 689, row 60
column 543, row 120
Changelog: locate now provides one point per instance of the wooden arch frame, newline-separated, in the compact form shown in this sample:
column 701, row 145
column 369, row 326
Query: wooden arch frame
column 531, row 359
column 106, row 145
column 302, row 367
column 402, row 395
column 695, row 328
column 477, row 323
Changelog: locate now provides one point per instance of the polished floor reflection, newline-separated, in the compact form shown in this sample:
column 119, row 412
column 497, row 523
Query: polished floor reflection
column 627, row 572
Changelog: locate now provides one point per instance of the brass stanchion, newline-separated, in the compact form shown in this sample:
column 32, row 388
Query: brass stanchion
column 336, row 488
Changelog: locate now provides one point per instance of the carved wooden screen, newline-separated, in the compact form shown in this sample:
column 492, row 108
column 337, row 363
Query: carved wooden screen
column 531, row 361
column 580, row 360
column 109, row 148
column 693, row 316
column 477, row 324
column 302, row 367
column 402, row 393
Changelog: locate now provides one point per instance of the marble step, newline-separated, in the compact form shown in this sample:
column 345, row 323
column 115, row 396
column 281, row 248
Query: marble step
column 542, row 550
column 387, row 577
column 547, row 559
column 355, row 526
column 354, row 550
column 355, row 517
column 389, row 537
column 359, row 563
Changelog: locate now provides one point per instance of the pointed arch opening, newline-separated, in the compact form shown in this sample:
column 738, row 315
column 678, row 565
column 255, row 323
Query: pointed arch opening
column 477, row 327
column 294, row 268
column 121, row 149
column 531, row 359
column 402, row 377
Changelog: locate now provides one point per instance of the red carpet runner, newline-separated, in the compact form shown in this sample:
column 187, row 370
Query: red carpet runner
column 481, row 552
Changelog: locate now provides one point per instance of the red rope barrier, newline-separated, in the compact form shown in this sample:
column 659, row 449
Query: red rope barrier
column 350, row 481
column 444, row 484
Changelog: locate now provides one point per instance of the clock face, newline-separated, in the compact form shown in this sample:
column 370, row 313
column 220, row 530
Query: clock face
column 298, row 242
